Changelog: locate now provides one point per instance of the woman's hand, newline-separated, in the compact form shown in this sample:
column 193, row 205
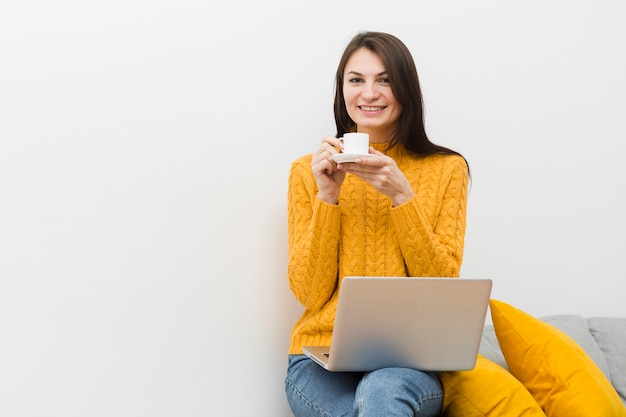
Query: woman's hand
column 383, row 174
column 328, row 178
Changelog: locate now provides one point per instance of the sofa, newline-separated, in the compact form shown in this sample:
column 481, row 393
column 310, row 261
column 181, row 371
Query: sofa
column 560, row 365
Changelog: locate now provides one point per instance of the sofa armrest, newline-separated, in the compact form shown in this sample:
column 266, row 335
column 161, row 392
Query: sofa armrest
column 610, row 335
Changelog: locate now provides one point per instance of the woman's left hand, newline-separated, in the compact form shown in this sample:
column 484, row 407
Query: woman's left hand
column 383, row 174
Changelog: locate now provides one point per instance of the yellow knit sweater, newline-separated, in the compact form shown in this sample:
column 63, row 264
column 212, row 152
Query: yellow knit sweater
column 364, row 235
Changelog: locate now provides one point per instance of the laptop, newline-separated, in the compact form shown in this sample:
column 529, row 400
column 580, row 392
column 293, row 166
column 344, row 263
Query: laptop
column 430, row 324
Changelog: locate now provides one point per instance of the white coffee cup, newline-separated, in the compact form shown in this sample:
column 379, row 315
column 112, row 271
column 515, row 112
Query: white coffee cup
column 356, row 143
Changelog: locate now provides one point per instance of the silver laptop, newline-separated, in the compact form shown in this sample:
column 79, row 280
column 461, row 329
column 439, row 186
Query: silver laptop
column 430, row 324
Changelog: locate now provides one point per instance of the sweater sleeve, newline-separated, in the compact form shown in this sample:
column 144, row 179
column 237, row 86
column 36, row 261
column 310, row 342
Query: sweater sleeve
column 432, row 242
column 313, row 236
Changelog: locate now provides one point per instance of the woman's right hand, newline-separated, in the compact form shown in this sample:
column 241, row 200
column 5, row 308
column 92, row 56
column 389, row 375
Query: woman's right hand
column 328, row 178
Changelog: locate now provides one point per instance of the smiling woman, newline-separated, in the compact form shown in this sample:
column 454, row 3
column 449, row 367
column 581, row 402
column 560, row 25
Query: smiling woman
column 368, row 97
column 398, row 212
column 144, row 154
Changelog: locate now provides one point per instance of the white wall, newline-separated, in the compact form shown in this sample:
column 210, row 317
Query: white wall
column 143, row 169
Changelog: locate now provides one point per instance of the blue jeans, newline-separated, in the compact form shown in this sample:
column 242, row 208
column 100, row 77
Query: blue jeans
column 313, row 391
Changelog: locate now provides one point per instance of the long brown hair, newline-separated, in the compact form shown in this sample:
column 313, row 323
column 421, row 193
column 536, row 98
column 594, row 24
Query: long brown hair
column 410, row 131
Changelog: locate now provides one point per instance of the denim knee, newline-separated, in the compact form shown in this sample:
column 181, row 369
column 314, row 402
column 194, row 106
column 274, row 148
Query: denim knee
column 399, row 391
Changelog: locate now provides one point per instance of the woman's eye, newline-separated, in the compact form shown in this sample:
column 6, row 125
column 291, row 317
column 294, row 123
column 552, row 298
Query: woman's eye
column 355, row 80
column 384, row 80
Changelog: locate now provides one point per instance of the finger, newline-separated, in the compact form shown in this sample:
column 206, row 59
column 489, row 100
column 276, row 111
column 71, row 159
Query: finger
column 324, row 153
column 325, row 167
column 327, row 148
column 336, row 143
column 373, row 151
column 368, row 164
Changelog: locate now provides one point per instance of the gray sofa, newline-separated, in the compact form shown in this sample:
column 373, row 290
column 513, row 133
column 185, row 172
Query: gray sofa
column 603, row 338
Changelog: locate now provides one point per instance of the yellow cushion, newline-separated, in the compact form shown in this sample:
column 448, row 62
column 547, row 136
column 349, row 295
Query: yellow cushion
column 486, row 390
column 557, row 372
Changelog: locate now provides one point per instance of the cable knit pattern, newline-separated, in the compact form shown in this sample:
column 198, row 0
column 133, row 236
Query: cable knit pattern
column 365, row 235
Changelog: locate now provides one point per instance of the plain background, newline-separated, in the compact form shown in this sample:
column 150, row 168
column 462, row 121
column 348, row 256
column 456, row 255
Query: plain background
column 144, row 154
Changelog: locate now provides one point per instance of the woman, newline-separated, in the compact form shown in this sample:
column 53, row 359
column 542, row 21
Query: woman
column 399, row 213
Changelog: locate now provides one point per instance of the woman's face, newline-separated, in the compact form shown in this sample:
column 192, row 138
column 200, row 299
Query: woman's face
column 370, row 102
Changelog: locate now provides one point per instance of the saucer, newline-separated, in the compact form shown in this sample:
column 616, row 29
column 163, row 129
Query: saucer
column 350, row 157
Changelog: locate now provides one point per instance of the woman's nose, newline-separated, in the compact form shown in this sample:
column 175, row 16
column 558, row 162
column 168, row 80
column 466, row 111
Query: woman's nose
column 370, row 92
